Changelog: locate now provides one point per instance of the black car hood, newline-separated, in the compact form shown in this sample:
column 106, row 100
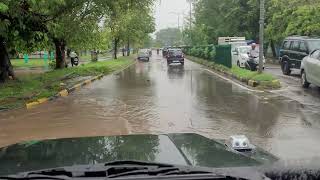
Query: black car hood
column 178, row 149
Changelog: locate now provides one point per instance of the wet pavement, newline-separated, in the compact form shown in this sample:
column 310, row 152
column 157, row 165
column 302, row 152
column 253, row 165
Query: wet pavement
column 150, row 97
column 292, row 86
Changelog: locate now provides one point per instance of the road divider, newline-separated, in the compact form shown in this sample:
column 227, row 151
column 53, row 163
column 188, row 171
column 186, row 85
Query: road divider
column 250, row 78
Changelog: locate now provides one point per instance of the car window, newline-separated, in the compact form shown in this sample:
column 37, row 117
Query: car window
column 295, row 46
column 244, row 50
column 286, row 45
column 175, row 52
column 314, row 44
column 302, row 47
column 316, row 54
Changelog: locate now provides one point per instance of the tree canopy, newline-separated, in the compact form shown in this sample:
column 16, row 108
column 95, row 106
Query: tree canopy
column 215, row 18
column 30, row 25
column 169, row 37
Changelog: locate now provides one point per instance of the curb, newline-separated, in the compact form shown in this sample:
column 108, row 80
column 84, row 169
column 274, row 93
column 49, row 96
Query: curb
column 63, row 93
column 67, row 91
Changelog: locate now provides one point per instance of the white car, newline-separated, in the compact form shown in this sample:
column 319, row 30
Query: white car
column 240, row 54
column 310, row 69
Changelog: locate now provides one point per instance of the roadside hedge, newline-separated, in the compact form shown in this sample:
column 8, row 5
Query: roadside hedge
column 205, row 52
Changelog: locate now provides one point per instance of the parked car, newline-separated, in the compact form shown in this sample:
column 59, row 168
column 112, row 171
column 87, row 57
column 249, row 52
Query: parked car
column 144, row 54
column 241, row 56
column 294, row 49
column 175, row 56
column 310, row 69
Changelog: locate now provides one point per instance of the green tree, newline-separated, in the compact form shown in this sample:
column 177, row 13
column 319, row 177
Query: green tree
column 128, row 19
column 215, row 18
column 169, row 37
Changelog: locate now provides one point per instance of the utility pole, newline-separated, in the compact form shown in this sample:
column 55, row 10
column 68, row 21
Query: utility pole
column 179, row 21
column 190, row 1
column 261, row 35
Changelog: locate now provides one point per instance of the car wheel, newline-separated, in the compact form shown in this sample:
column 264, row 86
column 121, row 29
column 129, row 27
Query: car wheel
column 285, row 68
column 182, row 63
column 304, row 80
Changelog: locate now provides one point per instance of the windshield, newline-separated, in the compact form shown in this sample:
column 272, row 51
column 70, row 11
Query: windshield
column 158, row 81
column 175, row 52
column 314, row 44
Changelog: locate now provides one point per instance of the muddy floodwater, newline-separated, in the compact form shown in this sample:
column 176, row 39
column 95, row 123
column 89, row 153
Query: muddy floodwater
column 150, row 97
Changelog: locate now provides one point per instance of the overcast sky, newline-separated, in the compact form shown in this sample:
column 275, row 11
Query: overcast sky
column 164, row 13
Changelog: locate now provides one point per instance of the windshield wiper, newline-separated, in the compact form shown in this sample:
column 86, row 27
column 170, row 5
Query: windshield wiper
column 121, row 169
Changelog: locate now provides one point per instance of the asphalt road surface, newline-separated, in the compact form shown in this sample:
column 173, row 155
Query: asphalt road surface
column 150, row 97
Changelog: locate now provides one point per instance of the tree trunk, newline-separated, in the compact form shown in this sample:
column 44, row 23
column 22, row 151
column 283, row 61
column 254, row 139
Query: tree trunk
column 94, row 55
column 116, row 42
column 60, row 53
column 128, row 47
column 273, row 48
column 6, row 69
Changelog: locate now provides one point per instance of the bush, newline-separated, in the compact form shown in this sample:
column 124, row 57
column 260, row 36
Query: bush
column 207, row 53
column 193, row 51
column 213, row 53
column 52, row 64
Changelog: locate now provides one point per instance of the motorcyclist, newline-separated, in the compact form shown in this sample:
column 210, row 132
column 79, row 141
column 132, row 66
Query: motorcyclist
column 73, row 56
column 158, row 51
column 253, row 55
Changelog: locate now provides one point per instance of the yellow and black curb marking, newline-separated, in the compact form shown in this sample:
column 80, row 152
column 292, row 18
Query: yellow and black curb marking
column 63, row 93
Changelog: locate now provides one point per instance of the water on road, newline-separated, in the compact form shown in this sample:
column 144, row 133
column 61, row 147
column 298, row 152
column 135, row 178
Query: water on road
column 150, row 97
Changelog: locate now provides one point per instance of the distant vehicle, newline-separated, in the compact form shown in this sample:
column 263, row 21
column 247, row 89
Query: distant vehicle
column 310, row 69
column 165, row 51
column 175, row 56
column 150, row 52
column 242, row 57
column 294, row 49
column 144, row 54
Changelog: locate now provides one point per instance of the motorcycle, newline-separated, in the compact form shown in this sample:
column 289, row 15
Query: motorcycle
column 75, row 61
column 252, row 63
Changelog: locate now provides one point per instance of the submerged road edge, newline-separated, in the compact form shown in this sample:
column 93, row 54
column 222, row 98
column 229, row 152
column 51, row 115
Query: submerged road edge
column 67, row 91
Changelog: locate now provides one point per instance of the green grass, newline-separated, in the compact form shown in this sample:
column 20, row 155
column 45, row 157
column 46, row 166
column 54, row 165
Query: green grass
column 31, row 63
column 85, row 57
column 31, row 87
column 251, row 75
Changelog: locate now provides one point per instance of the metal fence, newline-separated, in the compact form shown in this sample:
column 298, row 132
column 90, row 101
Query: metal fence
column 220, row 54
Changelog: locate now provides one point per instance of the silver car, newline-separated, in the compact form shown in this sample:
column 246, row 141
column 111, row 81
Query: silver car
column 310, row 69
column 144, row 54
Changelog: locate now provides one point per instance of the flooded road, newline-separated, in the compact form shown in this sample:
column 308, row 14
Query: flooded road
column 150, row 97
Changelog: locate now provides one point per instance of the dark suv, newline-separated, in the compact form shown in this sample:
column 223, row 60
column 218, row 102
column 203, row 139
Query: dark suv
column 175, row 56
column 294, row 49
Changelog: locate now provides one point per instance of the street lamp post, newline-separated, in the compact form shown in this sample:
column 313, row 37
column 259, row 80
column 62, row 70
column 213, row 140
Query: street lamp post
column 261, row 35
column 178, row 14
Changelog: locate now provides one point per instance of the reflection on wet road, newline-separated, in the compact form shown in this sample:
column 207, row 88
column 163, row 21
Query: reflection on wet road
column 153, row 98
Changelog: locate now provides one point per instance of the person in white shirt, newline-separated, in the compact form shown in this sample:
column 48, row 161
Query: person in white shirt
column 73, row 55
column 254, row 51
